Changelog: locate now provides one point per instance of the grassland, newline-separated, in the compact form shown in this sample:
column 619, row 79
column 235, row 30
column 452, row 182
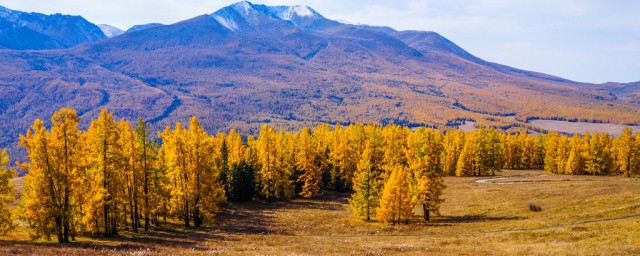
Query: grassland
column 580, row 216
column 581, row 127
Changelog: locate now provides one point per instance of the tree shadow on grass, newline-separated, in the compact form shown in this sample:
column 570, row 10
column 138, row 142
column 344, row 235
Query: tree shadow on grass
column 83, row 247
column 167, row 236
column 257, row 217
column 247, row 218
column 328, row 200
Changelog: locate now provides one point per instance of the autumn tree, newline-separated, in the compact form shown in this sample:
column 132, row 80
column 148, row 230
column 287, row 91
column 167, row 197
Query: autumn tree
column 453, row 144
column 221, row 162
column 493, row 157
column 626, row 152
column 207, row 192
column 576, row 158
column 513, row 152
column 342, row 159
column 275, row 172
column 196, row 190
column 367, row 183
column 467, row 164
column 634, row 166
column 322, row 138
column 394, row 145
column 241, row 179
column 236, row 148
column 285, row 187
column 242, row 187
column 105, row 174
column 144, row 145
column 551, row 164
column 53, row 187
column 174, row 153
column 395, row 203
column 600, row 160
column 306, row 161
column 529, row 151
column 7, row 192
column 424, row 155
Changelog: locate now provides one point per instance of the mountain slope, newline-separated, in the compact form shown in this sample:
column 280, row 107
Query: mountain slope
column 249, row 64
column 143, row 26
column 34, row 31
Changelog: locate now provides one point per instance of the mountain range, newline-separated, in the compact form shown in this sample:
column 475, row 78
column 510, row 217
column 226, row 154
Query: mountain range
column 249, row 64
column 34, row 31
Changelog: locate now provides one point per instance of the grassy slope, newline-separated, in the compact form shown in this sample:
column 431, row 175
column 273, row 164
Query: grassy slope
column 581, row 215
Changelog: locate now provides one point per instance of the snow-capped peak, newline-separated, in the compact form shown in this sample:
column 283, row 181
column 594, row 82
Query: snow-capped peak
column 110, row 31
column 236, row 14
column 243, row 7
column 291, row 13
column 302, row 11
column 227, row 16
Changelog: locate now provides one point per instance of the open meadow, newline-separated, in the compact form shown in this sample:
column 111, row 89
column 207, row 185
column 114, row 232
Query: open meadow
column 581, row 215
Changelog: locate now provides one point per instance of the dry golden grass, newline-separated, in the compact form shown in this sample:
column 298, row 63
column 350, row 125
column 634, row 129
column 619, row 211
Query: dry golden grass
column 580, row 216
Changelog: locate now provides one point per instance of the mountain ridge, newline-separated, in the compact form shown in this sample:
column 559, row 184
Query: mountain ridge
column 35, row 31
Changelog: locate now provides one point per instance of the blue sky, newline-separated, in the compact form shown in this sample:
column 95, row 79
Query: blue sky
column 587, row 41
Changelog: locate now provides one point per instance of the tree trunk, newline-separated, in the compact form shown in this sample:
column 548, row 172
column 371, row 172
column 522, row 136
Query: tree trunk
column 186, row 213
column 58, row 221
column 105, row 185
column 425, row 209
column 146, row 185
column 133, row 222
column 114, row 220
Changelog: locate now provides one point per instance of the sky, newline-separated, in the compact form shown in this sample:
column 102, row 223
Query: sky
column 593, row 41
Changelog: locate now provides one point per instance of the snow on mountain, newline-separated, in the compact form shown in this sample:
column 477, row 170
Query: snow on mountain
column 290, row 13
column 232, row 17
column 226, row 22
column 110, row 31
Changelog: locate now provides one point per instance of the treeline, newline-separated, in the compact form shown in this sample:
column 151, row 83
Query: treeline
column 116, row 176
column 596, row 154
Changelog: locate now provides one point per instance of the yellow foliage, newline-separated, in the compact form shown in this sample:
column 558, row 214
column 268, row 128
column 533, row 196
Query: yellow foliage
column 6, row 193
column 395, row 203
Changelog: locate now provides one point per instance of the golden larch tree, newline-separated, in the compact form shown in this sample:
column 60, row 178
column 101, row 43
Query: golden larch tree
column 7, row 193
column 54, row 187
column 306, row 155
column 105, row 175
column 368, row 180
column 395, row 203
column 424, row 155
column 206, row 190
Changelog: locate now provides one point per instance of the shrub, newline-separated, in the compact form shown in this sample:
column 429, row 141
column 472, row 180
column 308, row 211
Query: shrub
column 534, row 207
